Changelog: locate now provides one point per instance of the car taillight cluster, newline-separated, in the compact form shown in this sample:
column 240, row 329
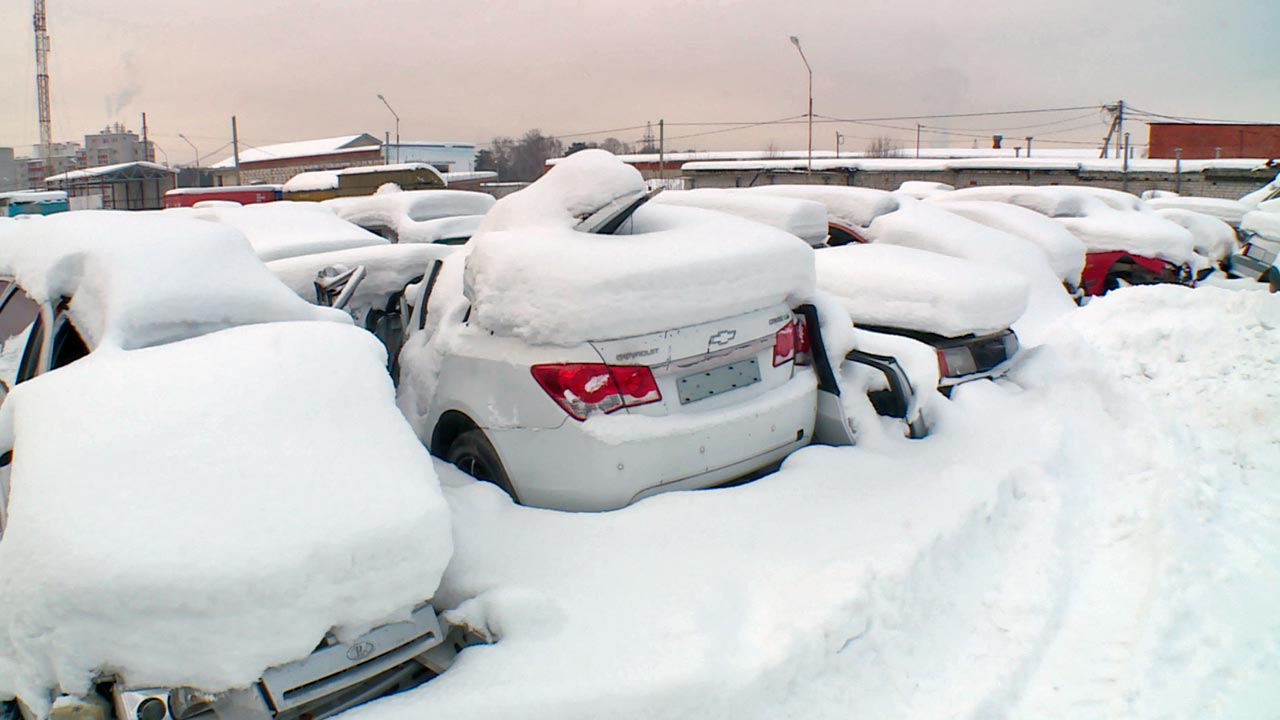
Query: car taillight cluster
column 792, row 343
column 583, row 389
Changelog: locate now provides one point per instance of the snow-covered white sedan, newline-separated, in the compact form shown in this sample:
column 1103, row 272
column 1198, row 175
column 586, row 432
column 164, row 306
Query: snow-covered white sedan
column 583, row 354
column 209, row 505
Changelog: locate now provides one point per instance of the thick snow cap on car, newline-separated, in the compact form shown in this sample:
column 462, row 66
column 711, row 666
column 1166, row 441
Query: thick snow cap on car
column 530, row 274
column 902, row 287
column 805, row 219
column 142, row 279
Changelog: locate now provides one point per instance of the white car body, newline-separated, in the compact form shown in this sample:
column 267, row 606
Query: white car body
column 284, row 229
column 1229, row 211
column 566, row 351
column 1063, row 250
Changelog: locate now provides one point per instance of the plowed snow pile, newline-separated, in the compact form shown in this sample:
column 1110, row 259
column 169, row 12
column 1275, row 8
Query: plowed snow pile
column 1097, row 536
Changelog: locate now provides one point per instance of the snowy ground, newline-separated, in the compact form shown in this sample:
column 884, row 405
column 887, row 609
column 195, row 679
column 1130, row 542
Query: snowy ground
column 1096, row 536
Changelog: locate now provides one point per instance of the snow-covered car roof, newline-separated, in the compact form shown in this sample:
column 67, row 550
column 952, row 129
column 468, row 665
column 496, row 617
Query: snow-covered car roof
column 852, row 207
column 388, row 269
column 530, row 274
column 1228, row 211
column 1213, row 237
column 902, row 287
column 140, row 279
column 450, row 230
column 1064, row 251
column 921, row 189
column 283, row 229
column 1262, row 222
column 190, row 514
column 410, row 214
column 1097, row 224
column 805, row 219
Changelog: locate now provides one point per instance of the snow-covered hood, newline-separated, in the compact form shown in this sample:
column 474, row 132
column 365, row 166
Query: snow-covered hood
column 191, row 514
column 530, row 274
column 1266, row 224
column 284, row 229
column 902, row 287
column 806, row 219
column 1214, row 238
column 142, row 279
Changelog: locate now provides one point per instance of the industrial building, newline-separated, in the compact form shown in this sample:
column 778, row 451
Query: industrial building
column 276, row 164
column 1201, row 141
column 126, row 186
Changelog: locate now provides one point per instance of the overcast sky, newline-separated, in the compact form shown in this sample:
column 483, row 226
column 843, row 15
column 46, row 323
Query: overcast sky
column 467, row 71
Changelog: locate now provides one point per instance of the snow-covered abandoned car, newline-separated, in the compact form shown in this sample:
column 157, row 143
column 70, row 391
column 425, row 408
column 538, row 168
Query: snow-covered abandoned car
column 1259, row 255
column 1126, row 243
column 416, row 216
column 180, row 535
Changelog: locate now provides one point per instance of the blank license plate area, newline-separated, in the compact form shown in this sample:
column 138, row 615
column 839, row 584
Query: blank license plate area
column 702, row 385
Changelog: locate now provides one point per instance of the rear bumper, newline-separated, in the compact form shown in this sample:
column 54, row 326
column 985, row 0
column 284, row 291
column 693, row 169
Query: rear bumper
column 611, row 461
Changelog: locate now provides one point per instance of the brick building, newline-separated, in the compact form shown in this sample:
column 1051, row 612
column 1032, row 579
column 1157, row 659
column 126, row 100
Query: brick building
column 1204, row 141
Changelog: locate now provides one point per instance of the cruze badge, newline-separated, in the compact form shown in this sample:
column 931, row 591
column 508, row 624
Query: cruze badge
column 724, row 337
column 360, row 651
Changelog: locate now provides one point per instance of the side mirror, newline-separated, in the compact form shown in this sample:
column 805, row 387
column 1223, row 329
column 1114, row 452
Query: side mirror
column 335, row 286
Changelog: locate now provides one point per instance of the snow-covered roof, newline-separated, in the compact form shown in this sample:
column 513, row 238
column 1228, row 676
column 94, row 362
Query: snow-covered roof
column 40, row 196
column 223, row 189
column 852, row 207
column 457, row 177
column 283, row 229
column 530, row 274
column 107, row 170
column 1229, row 211
column 1214, row 238
column 921, row 189
column 191, row 514
column 907, row 288
column 302, row 148
column 140, row 279
column 1039, row 161
column 805, row 219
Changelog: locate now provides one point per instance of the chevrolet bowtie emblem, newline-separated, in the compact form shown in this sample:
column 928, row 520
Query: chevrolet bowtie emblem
column 724, row 337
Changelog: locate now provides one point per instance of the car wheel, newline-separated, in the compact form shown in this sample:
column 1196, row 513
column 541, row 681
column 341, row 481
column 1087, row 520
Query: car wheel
column 474, row 455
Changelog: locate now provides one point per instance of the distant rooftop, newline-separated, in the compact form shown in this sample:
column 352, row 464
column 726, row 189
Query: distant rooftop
column 303, row 148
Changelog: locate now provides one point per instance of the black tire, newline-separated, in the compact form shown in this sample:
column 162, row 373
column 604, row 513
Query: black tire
column 473, row 454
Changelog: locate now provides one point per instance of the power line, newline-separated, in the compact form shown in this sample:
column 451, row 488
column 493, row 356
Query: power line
column 1191, row 119
column 779, row 121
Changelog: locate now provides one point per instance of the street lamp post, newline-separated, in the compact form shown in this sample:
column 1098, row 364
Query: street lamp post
column 193, row 149
column 397, row 117
column 796, row 41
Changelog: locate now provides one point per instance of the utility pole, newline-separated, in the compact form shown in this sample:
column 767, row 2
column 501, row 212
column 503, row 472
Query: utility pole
column 146, row 149
column 796, row 41
column 1029, row 139
column 1177, row 170
column 918, row 141
column 42, row 80
column 1124, row 182
column 1116, row 129
column 235, row 147
column 662, row 149
column 839, row 142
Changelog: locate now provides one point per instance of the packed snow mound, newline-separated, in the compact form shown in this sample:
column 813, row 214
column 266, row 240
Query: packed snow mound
column 902, row 287
column 448, row 230
column 285, row 229
column 1214, row 239
column 1228, row 211
column 1266, row 224
column 572, row 190
column 276, row 493
column 925, row 226
column 1099, row 225
column 676, row 267
column 1064, row 251
column 805, row 219
column 406, row 212
column 142, row 279
column 388, row 269
column 852, row 207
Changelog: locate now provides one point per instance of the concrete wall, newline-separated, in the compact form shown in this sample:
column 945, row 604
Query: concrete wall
column 1210, row 183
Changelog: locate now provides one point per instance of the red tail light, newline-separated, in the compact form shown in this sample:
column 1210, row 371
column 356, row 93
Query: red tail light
column 803, row 357
column 784, row 344
column 582, row 389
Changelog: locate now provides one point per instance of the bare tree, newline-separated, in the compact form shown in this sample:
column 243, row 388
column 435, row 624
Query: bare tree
column 883, row 147
column 615, row 146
